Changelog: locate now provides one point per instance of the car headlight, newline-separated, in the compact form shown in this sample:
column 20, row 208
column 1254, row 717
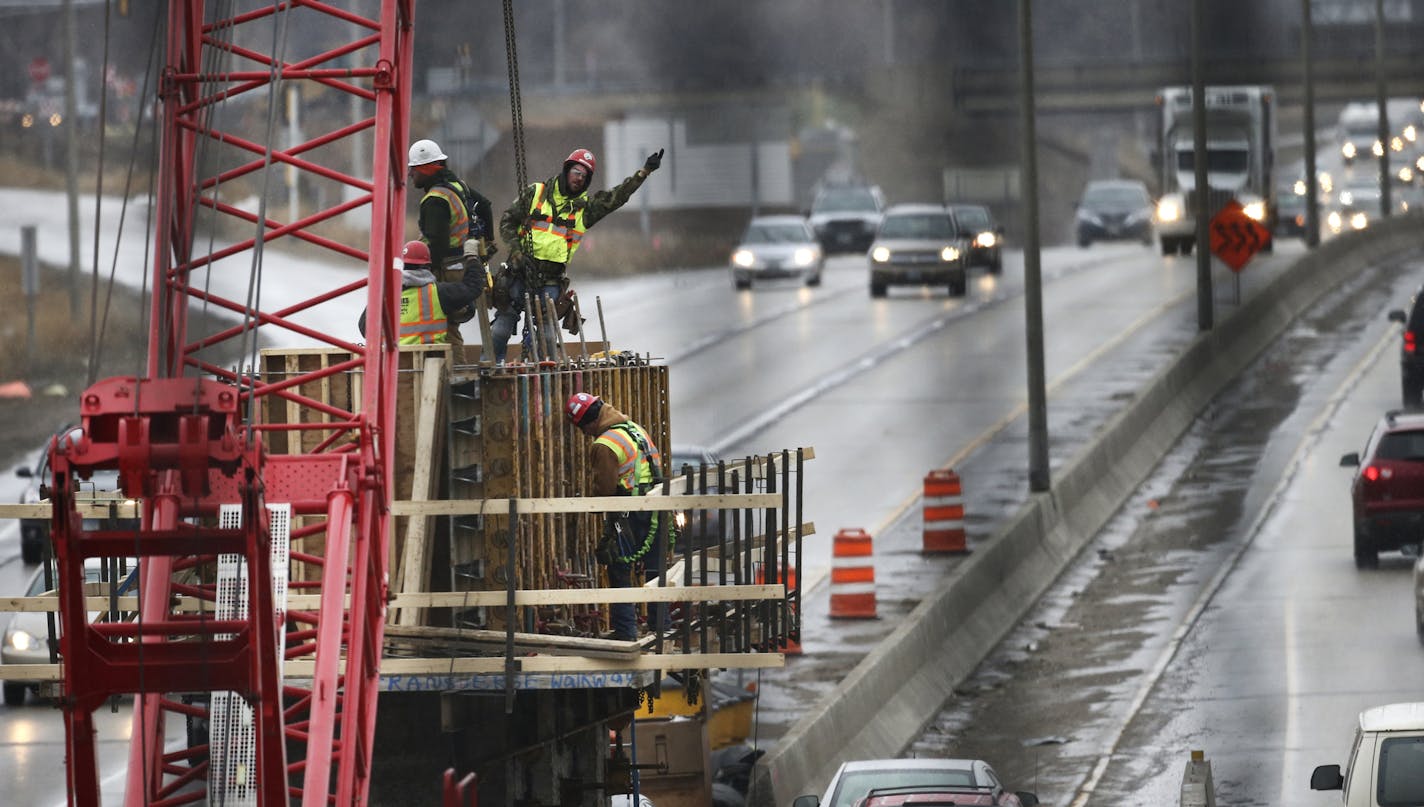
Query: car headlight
column 880, row 254
column 1410, row 133
column 1333, row 219
column 1359, row 220
column 1406, row 174
column 1348, row 151
column 1090, row 218
column 1347, row 198
column 743, row 258
column 985, row 240
column 1396, row 144
column 1377, row 149
column 20, row 640
column 1256, row 210
column 949, row 254
column 1169, row 209
column 804, row 256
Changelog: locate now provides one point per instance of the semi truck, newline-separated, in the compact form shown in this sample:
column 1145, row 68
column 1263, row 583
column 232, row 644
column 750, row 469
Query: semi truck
column 1240, row 152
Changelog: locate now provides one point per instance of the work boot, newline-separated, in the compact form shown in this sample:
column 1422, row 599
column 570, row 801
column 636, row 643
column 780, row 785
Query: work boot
column 615, row 636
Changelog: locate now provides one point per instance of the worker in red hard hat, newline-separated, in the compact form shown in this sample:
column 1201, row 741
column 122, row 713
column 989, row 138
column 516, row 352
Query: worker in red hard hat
column 424, row 302
column 624, row 462
column 543, row 229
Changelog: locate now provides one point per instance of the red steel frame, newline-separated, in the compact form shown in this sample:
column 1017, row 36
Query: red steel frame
column 187, row 437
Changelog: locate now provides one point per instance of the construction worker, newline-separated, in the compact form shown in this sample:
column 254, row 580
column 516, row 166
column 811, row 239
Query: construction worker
column 451, row 214
column 625, row 462
column 424, row 302
column 543, row 228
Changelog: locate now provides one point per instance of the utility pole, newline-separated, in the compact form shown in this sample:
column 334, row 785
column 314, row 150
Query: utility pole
column 1382, row 99
column 1038, row 476
column 1201, row 209
column 1312, row 192
column 71, row 155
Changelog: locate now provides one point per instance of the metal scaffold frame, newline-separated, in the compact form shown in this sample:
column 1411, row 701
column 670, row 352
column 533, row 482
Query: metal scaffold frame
column 187, row 436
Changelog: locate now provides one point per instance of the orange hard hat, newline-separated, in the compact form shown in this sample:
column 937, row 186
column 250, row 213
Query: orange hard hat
column 415, row 253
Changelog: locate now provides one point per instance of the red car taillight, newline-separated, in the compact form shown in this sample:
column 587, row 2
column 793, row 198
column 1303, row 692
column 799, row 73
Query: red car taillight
column 1371, row 473
column 1409, row 342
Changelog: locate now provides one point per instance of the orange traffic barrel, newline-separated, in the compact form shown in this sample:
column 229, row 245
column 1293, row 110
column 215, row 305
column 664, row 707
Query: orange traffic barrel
column 944, row 513
column 852, row 576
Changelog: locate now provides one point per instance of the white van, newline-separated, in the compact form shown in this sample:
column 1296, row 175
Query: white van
column 1386, row 761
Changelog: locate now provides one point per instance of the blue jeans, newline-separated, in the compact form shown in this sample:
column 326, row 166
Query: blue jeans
column 506, row 319
column 623, row 616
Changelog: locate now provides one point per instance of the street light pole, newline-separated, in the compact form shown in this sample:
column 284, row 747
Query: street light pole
column 1382, row 99
column 71, row 155
column 1201, row 209
column 1038, row 476
column 1312, row 192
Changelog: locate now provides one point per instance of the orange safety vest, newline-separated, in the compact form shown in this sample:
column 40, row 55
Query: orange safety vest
column 422, row 319
column 459, row 216
column 552, row 237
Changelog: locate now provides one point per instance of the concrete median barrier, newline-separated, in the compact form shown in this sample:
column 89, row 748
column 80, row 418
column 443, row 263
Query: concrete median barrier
column 882, row 706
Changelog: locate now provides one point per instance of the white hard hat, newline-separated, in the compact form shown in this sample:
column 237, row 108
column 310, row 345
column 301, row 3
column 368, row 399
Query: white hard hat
column 425, row 151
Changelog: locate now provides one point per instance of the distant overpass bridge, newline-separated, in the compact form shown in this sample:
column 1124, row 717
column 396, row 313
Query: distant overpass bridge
column 1123, row 88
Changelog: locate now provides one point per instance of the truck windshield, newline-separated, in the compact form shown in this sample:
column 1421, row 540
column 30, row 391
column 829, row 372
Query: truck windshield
column 1224, row 161
column 844, row 201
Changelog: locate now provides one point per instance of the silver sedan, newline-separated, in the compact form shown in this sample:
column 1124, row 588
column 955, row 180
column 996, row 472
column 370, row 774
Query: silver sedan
column 777, row 247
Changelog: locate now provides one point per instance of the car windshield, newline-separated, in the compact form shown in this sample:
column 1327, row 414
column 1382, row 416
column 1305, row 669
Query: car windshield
column 1114, row 197
column 843, row 201
column 1407, row 446
column 776, row 234
column 918, row 225
column 1401, row 771
column 973, row 218
column 853, row 786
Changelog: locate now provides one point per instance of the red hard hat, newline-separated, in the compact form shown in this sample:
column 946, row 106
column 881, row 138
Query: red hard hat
column 583, row 157
column 415, row 253
column 583, row 408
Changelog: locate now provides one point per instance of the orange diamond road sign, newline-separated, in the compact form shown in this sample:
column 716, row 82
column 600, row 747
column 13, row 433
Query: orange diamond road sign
column 1235, row 236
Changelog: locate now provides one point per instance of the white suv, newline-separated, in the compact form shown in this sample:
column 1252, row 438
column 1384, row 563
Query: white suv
column 1386, row 761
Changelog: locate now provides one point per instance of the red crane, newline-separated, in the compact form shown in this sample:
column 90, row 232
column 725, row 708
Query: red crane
column 191, row 439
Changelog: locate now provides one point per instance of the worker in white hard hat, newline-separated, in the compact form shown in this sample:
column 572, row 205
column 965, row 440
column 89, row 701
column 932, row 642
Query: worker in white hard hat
column 451, row 214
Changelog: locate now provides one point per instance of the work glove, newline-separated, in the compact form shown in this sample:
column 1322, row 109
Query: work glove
column 654, row 161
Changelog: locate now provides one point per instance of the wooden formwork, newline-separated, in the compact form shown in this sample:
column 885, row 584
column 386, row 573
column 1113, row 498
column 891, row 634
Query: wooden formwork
column 512, row 440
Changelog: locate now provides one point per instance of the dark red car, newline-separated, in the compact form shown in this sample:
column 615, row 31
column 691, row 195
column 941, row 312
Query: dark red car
column 1388, row 488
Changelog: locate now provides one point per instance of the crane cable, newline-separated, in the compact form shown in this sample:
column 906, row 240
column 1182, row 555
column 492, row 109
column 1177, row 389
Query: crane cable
column 516, row 111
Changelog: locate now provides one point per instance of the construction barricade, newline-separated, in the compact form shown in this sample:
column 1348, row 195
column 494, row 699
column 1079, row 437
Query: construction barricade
column 944, row 513
column 852, row 576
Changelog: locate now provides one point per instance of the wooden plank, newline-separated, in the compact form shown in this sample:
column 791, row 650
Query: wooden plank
column 452, row 599
column 430, row 420
column 304, row 668
column 524, row 643
column 590, row 504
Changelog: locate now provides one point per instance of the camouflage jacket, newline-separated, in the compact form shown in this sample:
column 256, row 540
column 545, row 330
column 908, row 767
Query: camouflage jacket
column 595, row 207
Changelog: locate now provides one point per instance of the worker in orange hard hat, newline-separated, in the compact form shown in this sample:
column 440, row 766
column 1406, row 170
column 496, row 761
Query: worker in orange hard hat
column 424, row 303
column 543, row 229
column 625, row 462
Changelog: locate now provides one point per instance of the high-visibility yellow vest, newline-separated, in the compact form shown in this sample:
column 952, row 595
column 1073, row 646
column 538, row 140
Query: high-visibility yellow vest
column 459, row 216
column 553, row 235
column 422, row 320
column 635, row 468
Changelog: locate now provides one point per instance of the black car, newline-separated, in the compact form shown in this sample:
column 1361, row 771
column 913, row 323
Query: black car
column 1411, row 352
column 986, row 236
column 1114, row 210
